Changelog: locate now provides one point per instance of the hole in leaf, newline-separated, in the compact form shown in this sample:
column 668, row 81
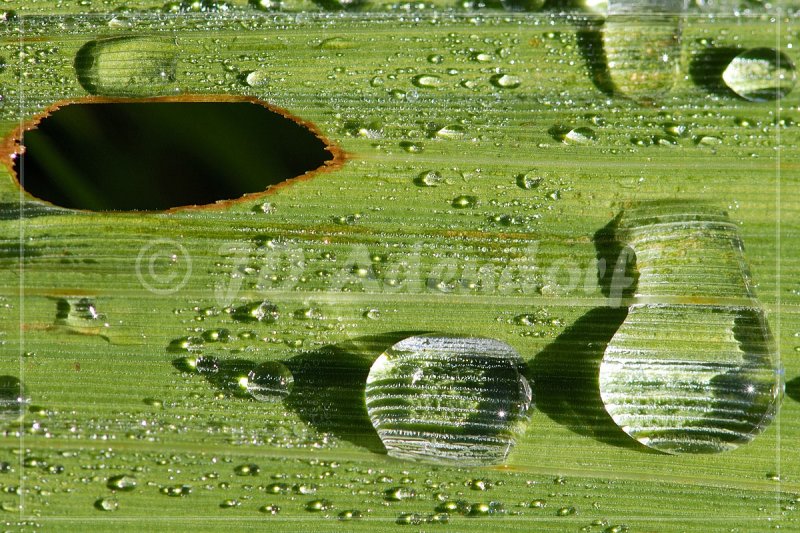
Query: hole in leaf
column 163, row 154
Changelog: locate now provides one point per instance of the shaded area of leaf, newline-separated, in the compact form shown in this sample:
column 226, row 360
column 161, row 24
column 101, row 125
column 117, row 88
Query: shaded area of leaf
column 566, row 376
column 328, row 388
column 793, row 389
column 589, row 38
column 707, row 67
column 616, row 262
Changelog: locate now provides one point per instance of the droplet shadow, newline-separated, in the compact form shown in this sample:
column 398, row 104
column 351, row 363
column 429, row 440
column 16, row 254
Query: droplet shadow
column 566, row 372
column 707, row 66
column 329, row 385
column 589, row 38
column 793, row 389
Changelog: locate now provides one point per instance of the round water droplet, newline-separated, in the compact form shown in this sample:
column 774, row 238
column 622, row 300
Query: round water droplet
column 448, row 399
column 270, row 382
column 760, row 74
column 674, row 393
column 128, row 66
column 505, row 81
column 12, row 398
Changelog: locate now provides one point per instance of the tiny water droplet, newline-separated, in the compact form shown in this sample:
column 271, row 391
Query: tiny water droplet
column 257, row 78
column 448, row 399
column 265, row 5
column 505, row 81
column 316, row 506
column 566, row 511
column 122, row 483
column 429, row 178
column 347, row 516
column 411, row 147
column 760, row 75
column 270, row 509
column 134, row 66
column 270, row 381
column 106, row 504
column 262, row 311
column 528, row 181
column 427, row 81
column 570, row 135
column 247, row 469
column 464, row 201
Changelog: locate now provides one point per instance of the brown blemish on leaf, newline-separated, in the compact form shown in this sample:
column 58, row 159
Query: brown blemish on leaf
column 11, row 146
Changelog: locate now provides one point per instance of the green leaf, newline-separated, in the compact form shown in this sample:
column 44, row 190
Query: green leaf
column 534, row 159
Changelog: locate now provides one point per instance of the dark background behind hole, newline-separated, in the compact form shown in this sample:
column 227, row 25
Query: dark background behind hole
column 151, row 156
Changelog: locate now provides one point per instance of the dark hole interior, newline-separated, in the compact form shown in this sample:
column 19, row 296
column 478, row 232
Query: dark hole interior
column 152, row 156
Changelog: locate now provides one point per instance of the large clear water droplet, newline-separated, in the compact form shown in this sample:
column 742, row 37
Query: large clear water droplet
column 691, row 378
column 693, row 368
column 760, row 74
column 128, row 66
column 641, row 40
column 448, row 399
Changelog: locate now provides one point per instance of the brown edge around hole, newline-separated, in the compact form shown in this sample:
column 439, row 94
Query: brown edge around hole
column 11, row 146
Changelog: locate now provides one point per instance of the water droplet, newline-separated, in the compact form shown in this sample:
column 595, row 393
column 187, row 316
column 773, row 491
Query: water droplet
column 338, row 43
column 80, row 315
column 12, row 398
column 427, row 81
column 528, row 181
column 505, row 81
column 396, row 494
column 676, row 129
column 411, row 147
column 316, row 506
column 760, row 74
column 430, row 178
column 687, row 372
column 270, row 509
column 257, row 78
column 347, row 516
column 464, row 201
column 566, row 511
column 265, row 5
column 106, row 504
column 229, row 503
column 448, row 399
column 450, row 132
column 570, row 135
column 269, row 382
column 523, row 5
column 247, row 469
column 122, row 483
column 641, row 40
column 255, row 312
column 128, row 66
